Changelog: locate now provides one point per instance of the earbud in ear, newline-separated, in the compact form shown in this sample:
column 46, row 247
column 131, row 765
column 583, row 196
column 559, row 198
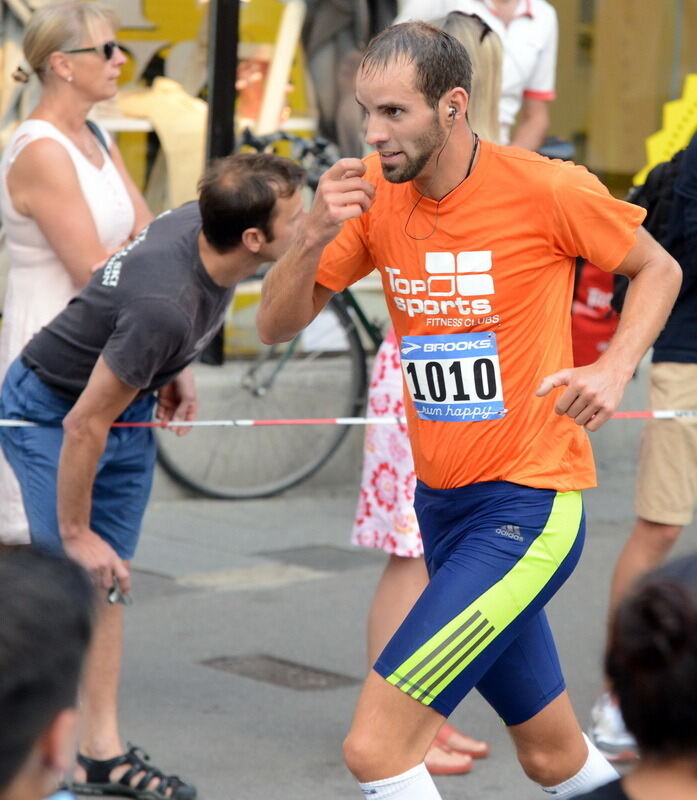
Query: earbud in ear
column 453, row 111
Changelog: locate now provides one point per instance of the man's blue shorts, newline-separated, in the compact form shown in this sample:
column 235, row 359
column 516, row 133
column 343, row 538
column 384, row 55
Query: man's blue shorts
column 496, row 553
column 124, row 475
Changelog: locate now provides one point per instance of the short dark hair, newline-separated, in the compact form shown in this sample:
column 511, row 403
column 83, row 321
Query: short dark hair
column 46, row 615
column 240, row 191
column 440, row 61
column 651, row 660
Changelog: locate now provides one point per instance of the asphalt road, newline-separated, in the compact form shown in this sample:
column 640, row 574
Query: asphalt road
column 237, row 604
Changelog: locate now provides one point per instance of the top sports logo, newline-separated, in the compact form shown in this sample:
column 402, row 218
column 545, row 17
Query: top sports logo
column 449, row 282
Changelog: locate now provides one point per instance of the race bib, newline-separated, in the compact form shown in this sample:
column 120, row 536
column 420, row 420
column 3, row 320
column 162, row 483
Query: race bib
column 454, row 377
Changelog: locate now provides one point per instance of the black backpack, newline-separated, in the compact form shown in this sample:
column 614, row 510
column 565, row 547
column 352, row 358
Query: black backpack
column 656, row 196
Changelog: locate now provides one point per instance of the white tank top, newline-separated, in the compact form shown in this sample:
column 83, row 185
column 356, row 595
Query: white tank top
column 38, row 285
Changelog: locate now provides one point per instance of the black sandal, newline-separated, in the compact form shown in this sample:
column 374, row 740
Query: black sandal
column 98, row 778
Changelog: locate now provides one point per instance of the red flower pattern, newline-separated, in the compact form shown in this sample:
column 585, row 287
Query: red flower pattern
column 384, row 482
column 385, row 516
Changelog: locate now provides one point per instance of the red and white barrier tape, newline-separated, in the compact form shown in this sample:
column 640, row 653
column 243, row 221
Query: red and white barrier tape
column 382, row 420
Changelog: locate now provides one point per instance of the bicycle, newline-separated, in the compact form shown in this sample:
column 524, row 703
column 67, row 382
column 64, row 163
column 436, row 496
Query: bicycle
column 321, row 373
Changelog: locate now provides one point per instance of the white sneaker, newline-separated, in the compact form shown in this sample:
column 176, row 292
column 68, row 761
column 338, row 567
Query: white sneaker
column 608, row 732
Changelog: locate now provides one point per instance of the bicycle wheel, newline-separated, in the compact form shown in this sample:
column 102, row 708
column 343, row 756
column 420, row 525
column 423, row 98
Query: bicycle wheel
column 321, row 374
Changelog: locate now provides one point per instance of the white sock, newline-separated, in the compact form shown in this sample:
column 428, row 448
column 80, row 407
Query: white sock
column 595, row 772
column 415, row 784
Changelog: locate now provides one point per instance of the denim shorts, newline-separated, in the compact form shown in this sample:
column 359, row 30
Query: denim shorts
column 496, row 552
column 124, row 473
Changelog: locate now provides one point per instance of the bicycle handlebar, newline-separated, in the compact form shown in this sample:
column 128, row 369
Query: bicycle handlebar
column 315, row 154
column 314, row 146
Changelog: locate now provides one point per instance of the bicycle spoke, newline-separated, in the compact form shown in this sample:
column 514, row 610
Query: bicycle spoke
column 298, row 380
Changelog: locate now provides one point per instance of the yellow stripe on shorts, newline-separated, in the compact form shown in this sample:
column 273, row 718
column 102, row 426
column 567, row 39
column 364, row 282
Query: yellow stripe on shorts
column 447, row 653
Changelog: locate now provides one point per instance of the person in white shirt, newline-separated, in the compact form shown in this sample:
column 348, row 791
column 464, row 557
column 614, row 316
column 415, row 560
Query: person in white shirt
column 528, row 30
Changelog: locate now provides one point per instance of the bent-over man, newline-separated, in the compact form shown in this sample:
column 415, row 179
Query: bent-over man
column 119, row 349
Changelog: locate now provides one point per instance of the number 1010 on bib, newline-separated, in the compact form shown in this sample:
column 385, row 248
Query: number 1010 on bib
column 454, row 377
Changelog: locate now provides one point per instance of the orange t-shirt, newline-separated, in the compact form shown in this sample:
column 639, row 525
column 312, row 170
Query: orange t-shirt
column 479, row 291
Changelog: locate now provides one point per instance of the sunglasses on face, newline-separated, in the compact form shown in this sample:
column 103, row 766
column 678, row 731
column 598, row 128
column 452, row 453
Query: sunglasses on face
column 107, row 49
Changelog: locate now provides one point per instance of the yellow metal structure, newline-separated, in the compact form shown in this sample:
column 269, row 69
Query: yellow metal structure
column 173, row 21
column 679, row 124
column 176, row 21
column 259, row 21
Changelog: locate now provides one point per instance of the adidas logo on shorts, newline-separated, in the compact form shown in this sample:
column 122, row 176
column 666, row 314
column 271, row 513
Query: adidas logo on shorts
column 510, row 532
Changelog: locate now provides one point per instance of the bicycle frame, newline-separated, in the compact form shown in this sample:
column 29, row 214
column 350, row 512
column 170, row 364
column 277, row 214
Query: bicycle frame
column 324, row 372
column 373, row 330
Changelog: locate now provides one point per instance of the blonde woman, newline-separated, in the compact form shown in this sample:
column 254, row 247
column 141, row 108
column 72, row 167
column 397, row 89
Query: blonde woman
column 66, row 198
column 385, row 518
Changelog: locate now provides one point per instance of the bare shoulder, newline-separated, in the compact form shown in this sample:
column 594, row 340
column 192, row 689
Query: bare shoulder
column 45, row 160
column 41, row 171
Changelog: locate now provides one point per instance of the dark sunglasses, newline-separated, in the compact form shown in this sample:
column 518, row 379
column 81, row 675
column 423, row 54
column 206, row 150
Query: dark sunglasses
column 107, row 49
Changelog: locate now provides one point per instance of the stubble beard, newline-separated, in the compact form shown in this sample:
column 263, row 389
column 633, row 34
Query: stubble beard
column 425, row 146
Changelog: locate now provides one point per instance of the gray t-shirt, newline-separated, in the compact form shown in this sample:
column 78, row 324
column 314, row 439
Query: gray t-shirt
column 149, row 311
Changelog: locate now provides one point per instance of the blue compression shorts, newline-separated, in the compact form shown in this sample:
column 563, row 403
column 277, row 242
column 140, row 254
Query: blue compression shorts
column 496, row 553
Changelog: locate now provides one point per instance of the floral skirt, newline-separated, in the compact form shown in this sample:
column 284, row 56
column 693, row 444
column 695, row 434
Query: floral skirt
column 385, row 516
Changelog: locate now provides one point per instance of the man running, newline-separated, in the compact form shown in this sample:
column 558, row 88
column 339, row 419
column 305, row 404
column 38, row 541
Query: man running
column 145, row 315
column 476, row 245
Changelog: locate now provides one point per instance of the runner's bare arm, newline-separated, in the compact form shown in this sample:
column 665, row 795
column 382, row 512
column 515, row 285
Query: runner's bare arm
column 85, row 431
column 290, row 297
column 593, row 392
